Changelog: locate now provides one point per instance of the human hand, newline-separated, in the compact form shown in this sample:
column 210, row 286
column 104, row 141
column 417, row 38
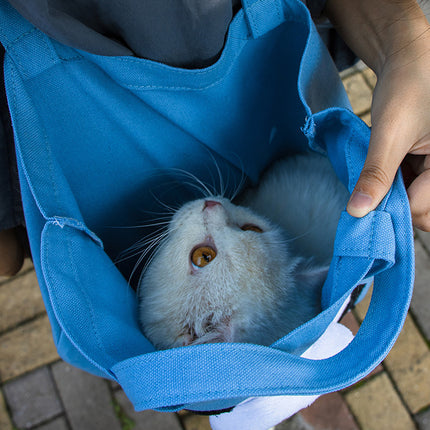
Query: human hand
column 400, row 126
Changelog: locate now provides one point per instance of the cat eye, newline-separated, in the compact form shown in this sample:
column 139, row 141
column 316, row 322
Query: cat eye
column 202, row 256
column 251, row 227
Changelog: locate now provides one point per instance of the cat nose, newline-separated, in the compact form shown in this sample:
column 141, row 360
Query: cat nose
column 211, row 204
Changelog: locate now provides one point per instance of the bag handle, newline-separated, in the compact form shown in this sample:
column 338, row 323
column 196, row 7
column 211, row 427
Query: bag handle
column 262, row 16
column 216, row 372
column 232, row 371
column 238, row 371
column 19, row 37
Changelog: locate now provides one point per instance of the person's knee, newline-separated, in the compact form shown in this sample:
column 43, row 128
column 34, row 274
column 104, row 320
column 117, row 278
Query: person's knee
column 11, row 252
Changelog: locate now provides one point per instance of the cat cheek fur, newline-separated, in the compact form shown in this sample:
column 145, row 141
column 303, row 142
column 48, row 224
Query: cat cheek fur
column 177, row 305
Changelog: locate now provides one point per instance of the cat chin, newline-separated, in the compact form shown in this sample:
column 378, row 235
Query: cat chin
column 220, row 335
column 216, row 336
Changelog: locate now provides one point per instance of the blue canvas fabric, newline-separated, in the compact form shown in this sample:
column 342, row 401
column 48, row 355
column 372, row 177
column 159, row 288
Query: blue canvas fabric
column 97, row 137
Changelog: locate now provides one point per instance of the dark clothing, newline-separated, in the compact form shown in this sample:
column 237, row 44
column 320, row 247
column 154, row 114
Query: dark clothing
column 181, row 33
column 11, row 214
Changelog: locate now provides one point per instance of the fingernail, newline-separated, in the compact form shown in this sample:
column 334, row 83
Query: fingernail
column 359, row 204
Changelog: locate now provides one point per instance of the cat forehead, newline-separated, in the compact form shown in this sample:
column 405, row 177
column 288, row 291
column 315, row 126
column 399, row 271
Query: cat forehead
column 192, row 214
column 227, row 228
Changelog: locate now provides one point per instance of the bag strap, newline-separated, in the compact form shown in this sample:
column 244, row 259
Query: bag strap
column 233, row 371
column 21, row 40
column 263, row 16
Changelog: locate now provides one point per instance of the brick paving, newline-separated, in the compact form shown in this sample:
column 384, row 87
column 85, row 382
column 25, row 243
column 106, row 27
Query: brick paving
column 38, row 391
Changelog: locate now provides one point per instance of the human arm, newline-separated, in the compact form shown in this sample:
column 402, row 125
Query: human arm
column 393, row 38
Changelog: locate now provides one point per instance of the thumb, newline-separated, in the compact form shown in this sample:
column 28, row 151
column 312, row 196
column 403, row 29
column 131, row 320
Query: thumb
column 375, row 180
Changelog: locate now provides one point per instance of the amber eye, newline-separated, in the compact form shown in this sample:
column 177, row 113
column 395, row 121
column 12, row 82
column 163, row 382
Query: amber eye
column 251, row 227
column 202, row 256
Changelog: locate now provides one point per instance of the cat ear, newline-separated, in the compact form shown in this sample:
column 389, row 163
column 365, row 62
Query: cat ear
column 311, row 275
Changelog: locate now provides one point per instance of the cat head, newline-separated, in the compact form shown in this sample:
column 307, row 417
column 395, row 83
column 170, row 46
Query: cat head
column 222, row 274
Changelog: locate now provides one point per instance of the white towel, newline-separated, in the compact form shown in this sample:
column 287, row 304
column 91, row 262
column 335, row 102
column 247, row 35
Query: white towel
column 262, row 413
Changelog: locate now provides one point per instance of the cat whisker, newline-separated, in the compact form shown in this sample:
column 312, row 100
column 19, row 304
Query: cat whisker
column 142, row 256
column 158, row 246
column 222, row 188
column 239, row 187
column 155, row 224
column 148, row 240
column 165, row 214
column 154, row 248
column 170, row 209
column 306, row 233
column 209, row 193
column 294, row 238
column 203, row 192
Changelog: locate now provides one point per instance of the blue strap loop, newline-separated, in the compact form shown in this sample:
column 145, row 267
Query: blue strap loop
column 23, row 38
column 370, row 237
column 9, row 34
column 263, row 15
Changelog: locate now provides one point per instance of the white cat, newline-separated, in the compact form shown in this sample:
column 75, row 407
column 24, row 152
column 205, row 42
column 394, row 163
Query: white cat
column 248, row 273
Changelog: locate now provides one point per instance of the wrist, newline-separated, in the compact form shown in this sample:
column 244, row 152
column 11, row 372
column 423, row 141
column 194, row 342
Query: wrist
column 407, row 40
column 380, row 32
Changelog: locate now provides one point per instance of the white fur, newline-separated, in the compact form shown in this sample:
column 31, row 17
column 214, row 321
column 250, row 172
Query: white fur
column 303, row 195
column 254, row 290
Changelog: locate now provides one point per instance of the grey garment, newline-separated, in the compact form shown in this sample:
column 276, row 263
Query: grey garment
column 316, row 7
column 183, row 33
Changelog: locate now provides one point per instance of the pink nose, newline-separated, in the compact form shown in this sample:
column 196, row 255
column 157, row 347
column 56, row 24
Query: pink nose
column 210, row 204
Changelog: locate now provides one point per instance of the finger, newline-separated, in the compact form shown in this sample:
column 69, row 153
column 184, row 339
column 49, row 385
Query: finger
column 419, row 200
column 380, row 167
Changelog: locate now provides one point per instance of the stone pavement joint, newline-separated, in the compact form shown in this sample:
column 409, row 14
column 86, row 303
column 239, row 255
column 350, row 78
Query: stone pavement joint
column 20, row 300
column 32, row 398
column 376, row 406
column 424, row 238
column 329, row 412
column 5, row 422
column 57, row 424
column 423, row 420
column 147, row 420
column 294, row 423
column 25, row 348
column 421, row 297
column 195, row 422
column 408, row 364
column 86, row 398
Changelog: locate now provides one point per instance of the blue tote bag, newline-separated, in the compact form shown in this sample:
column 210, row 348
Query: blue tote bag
column 90, row 131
